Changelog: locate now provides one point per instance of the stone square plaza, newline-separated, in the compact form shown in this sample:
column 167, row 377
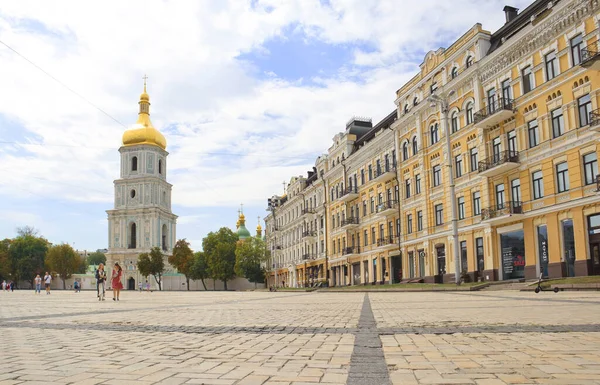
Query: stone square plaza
column 293, row 338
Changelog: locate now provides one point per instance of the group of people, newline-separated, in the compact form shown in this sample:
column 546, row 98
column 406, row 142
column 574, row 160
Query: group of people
column 8, row 286
column 116, row 283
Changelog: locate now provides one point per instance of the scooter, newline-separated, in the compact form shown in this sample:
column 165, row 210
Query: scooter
column 540, row 288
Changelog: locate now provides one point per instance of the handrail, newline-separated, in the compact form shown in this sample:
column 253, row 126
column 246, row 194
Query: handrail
column 497, row 105
column 506, row 208
column 498, row 159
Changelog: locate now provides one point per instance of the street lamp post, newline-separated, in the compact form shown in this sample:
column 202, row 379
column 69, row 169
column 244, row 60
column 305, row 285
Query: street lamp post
column 443, row 103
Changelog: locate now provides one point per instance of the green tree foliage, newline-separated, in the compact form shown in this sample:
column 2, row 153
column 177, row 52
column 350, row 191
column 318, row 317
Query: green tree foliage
column 182, row 259
column 26, row 256
column 5, row 263
column 249, row 254
column 64, row 261
column 96, row 258
column 219, row 249
column 199, row 268
column 152, row 263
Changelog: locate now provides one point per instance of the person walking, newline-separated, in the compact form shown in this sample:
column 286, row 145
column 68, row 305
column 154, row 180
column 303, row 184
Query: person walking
column 140, row 286
column 147, row 286
column 4, row 285
column 100, row 280
column 48, row 281
column 38, row 284
column 12, row 286
column 116, row 281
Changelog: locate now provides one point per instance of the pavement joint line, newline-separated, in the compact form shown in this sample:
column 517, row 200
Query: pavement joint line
column 539, row 299
column 367, row 363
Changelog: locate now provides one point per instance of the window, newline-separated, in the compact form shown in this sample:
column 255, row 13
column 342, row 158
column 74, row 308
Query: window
column 417, row 184
column 415, row 146
column 160, row 166
column 433, row 87
column 362, row 176
column 590, row 167
column 409, row 223
column 469, row 61
column 415, row 101
column 364, row 208
column 500, row 196
column 372, row 205
column 562, row 177
column 434, row 133
column 394, row 158
column 454, row 122
column 397, row 193
column 538, row 185
column 134, row 163
column 496, row 148
column 476, row 203
column 439, row 214
column 551, row 65
column 437, row 177
column 454, row 72
column 419, row 220
column 370, row 172
column 558, row 124
column 132, row 193
column 391, row 229
column 527, row 79
column 515, row 191
column 405, row 151
column 479, row 253
column 133, row 234
column 532, row 131
column 506, row 91
column 386, row 162
column 373, row 235
column 469, row 113
column 366, row 238
column 576, row 45
column 378, row 167
column 406, row 108
column 512, row 142
column 398, row 226
column 461, row 208
column 474, row 155
column 458, row 165
column 491, row 100
column 407, row 188
column 584, row 105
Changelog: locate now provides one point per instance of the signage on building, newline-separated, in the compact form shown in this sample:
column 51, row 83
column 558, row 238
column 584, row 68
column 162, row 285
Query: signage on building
column 507, row 260
column 544, row 251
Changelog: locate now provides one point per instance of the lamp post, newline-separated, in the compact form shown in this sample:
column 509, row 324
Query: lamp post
column 444, row 106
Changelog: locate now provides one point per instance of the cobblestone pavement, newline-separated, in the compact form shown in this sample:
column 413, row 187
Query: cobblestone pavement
column 299, row 338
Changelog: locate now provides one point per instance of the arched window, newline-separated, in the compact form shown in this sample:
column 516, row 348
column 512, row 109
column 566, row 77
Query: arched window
column 132, row 236
column 160, row 166
column 454, row 121
column 434, row 133
column 406, row 108
column 134, row 163
column 454, row 72
column 415, row 101
column 469, row 113
column 415, row 146
column 164, row 237
column 405, row 151
column 469, row 61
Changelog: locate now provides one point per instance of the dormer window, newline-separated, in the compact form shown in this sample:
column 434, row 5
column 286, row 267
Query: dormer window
column 415, row 101
column 469, row 61
column 406, row 108
column 134, row 163
column 433, row 87
column 454, row 72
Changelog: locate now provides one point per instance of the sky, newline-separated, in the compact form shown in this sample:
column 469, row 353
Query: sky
column 247, row 94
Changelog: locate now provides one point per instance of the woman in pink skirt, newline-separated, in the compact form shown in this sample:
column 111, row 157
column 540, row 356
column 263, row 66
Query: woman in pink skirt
column 117, row 273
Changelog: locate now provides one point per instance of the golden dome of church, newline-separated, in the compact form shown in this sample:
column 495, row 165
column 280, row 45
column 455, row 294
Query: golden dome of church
column 143, row 132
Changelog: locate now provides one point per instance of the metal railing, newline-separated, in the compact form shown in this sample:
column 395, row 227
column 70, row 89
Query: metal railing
column 307, row 211
column 594, row 117
column 386, row 206
column 506, row 208
column 309, row 233
column 351, row 250
column 387, row 241
column 350, row 221
column 277, row 247
column 309, row 256
column 498, row 159
column 380, row 171
column 590, row 53
column 349, row 190
column 497, row 105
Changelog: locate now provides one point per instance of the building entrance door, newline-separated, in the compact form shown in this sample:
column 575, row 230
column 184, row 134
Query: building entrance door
column 441, row 264
column 131, row 284
column 595, row 251
column 396, row 269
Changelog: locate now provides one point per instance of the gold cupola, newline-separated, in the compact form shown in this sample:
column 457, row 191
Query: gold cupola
column 143, row 132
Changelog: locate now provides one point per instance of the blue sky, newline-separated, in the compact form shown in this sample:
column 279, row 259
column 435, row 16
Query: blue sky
column 246, row 93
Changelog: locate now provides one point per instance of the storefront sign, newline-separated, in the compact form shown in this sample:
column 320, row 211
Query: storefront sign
column 507, row 260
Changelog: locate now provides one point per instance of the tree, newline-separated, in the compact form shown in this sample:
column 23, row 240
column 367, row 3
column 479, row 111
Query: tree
column 199, row 268
column 27, row 230
column 96, row 258
column 5, row 263
column 219, row 249
column 152, row 263
column 182, row 259
column 62, row 259
column 249, row 254
column 26, row 255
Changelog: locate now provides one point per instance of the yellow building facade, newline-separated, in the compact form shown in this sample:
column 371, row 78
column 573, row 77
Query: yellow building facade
column 521, row 108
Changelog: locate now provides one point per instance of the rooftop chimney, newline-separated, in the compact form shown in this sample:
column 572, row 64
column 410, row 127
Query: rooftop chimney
column 510, row 13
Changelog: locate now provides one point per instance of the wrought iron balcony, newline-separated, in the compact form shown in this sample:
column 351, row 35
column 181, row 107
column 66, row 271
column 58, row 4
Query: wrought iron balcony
column 352, row 250
column 308, row 211
column 350, row 222
column 502, row 213
column 383, row 175
column 590, row 56
column 349, row 194
column 278, row 247
column 499, row 163
column 309, row 234
column 309, row 256
column 594, row 119
column 387, row 242
column 500, row 109
column 387, row 208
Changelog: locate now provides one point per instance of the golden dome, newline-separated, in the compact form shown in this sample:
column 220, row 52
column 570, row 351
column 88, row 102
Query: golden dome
column 143, row 132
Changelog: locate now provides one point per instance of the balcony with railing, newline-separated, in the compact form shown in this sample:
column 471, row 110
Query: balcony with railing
column 387, row 208
column 349, row 194
column 277, row 247
column 350, row 251
column 308, row 211
column 387, row 243
column 590, row 56
column 594, row 119
column 385, row 174
column 350, row 223
column 309, row 257
column 499, row 163
column 497, row 111
column 309, row 234
column 502, row 213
